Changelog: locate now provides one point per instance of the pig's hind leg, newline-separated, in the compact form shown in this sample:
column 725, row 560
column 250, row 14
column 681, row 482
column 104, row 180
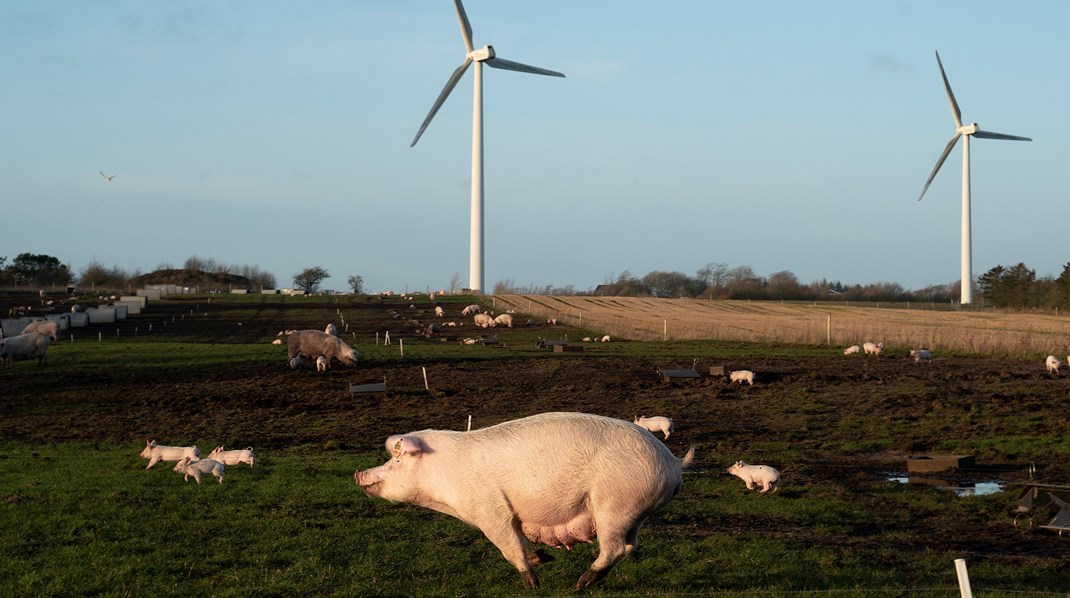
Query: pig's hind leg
column 617, row 538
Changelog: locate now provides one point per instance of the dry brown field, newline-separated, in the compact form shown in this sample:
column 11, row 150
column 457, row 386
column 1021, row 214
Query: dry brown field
column 900, row 326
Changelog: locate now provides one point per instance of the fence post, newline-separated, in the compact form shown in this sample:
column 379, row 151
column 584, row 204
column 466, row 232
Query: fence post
column 964, row 579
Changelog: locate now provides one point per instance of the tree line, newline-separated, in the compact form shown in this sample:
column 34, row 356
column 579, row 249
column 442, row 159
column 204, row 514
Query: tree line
column 1014, row 287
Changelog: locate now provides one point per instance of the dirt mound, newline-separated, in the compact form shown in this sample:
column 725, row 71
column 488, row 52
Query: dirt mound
column 194, row 278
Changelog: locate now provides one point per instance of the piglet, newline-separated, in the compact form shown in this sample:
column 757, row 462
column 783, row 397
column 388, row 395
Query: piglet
column 199, row 467
column 756, row 475
column 158, row 452
column 655, row 424
column 233, row 457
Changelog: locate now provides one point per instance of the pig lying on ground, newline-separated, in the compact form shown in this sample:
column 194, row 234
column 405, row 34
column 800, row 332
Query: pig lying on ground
column 158, row 452
column 655, row 424
column 553, row 478
column 756, row 475
column 232, row 457
column 25, row 346
column 471, row 310
column 189, row 466
column 314, row 343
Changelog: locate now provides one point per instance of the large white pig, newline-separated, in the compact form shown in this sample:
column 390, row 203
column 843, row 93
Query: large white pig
column 25, row 346
column 49, row 327
column 314, row 343
column 554, row 479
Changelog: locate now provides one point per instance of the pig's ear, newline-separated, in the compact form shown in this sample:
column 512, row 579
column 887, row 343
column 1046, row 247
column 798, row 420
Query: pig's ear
column 400, row 445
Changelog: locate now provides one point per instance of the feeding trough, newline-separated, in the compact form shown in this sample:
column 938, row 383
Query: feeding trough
column 671, row 375
column 1044, row 497
column 937, row 463
column 566, row 348
column 551, row 343
column 373, row 388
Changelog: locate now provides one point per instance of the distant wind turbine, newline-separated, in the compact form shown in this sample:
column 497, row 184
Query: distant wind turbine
column 964, row 131
column 481, row 56
column 107, row 179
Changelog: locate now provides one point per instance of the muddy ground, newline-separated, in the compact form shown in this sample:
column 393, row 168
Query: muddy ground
column 854, row 419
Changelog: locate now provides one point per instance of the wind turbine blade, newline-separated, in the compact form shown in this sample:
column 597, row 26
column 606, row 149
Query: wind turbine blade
column 466, row 27
column 991, row 135
column 454, row 78
column 950, row 95
column 939, row 163
column 509, row 65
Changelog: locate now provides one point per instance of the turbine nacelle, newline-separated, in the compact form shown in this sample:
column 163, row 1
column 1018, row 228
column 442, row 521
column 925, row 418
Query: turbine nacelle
column 482, row 54
column 969, row 129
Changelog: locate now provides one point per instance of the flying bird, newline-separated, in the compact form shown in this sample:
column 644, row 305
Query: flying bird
column 107, row 179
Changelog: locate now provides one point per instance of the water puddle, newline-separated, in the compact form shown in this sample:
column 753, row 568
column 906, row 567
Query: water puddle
column 959, row 487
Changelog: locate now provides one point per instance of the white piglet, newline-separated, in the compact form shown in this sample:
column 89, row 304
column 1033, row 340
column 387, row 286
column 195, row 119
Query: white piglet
column 852, row 350
column 873, row 349
column 233, row 457
column 555, row 479
column 756, row 475
column 189, row 466
column 1052, row 363
column 158, row 452
column 656, row 423
column 741, row 376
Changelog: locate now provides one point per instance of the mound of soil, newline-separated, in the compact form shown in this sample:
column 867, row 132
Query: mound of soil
column 201, row 280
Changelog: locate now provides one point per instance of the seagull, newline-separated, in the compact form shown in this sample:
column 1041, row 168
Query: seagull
column 107, row 179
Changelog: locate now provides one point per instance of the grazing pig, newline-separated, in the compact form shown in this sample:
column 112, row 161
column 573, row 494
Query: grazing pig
column 921, row 355
column 439, row 312
column 741, row 376
column 655, row 424
column 553, row 478
column 484, row 321
column 756, row 475
column 504, row 320
column 198, row 467
column 1052, row 363
column 49, row 327
column 233, row 457
column 25, row 346
column 158, row 452
column 873, row 349
column 852, row 350
column 313, row 343
column 322, row 365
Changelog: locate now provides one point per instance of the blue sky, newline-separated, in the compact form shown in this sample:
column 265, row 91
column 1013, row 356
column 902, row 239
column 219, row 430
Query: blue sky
column 776, row 135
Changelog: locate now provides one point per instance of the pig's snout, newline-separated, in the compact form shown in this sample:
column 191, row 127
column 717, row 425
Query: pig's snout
column 366, row 481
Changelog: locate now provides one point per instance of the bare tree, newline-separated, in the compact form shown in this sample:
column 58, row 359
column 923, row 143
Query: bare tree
column 356, row 282
column 309, row 279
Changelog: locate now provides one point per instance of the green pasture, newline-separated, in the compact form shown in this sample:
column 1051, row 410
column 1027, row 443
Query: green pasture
column 79, row 519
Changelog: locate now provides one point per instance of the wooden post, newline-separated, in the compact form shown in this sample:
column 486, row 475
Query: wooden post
column 469, row 423
column 401, row 343
column 665, row 331
column 964, row 579
column 828, row 331
column 426, row 387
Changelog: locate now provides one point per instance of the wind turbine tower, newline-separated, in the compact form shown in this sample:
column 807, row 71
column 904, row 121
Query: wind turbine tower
column 965, row 132
column 480, row 56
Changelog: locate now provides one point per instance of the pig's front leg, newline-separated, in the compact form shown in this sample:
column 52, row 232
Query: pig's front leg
column 507, row 537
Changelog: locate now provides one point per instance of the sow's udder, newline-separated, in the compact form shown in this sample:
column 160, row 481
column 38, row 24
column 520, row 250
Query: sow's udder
column 580, row 529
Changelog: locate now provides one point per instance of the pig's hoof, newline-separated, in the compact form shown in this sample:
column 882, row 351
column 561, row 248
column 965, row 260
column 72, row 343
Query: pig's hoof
column 530, row 581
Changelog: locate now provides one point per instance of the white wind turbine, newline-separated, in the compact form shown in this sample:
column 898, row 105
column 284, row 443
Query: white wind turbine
column 481, row 56
column 964, row 131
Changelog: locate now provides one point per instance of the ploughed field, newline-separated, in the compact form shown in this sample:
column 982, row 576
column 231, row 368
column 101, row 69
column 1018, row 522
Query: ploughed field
column 844, row 424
